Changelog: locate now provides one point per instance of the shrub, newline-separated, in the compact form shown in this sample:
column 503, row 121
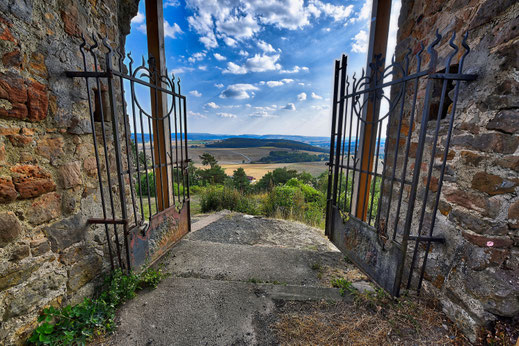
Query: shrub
column 216, row 198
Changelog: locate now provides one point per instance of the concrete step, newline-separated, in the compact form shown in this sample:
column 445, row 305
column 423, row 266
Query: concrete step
column 235, row 262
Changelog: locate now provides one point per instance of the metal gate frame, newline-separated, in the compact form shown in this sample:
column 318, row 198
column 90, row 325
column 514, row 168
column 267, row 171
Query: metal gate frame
column 146, row 235
column 372, row 234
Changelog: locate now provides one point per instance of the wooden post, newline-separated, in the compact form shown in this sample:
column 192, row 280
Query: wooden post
column 161, row 129
column 378, row 35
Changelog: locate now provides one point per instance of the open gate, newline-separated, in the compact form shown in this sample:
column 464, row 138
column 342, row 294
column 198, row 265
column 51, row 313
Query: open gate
column 139, row 135
column 391, row 131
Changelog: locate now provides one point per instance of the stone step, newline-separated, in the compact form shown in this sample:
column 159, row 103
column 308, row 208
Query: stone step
column 191, row 311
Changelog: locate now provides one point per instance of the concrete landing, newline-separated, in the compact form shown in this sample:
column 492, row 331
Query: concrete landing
column 227, row 279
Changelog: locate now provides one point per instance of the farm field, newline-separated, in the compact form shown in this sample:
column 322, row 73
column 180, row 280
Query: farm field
column 258, row 170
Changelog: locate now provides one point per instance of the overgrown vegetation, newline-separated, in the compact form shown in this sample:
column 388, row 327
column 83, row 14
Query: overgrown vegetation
column 78, row 324
column 374, row 319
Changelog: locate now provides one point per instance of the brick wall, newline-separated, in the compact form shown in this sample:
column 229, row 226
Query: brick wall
column 476, row 273
column 48, row 182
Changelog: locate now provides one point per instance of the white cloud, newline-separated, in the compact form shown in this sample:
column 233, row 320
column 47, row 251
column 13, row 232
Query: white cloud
column 238, row 91
column 171, row 3
column 275, row 83
column 229, row 41
column 301, row 97
column 258, row 63
column 365, row 12
column 202, row 67
column 219, row 57
column 266, row 47
column 196, row 57
column 142, row 28
column 316, row 97
column 243, row 53
column 196, row 115
column 212, row 105
column 290, row 107
column 171, row 31
column 139, row 18
column 360, row 44
column 320, row 108
column 195, row 93
column 226, row 115
column 233, row 20
column 296, row 69
column 179, row 70
column 261, row 114
column 219, row 85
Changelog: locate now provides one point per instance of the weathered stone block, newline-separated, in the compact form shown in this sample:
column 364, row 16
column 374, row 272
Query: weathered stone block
column 505, row 121
column 32, row 181
column 87, row 268
column 44, row 209
column 39, row 247
column 12, row 59
column 488, row 142
column 477, row 224
column 7, row 191
column 16, row 274
column 492, row 184
column 20, row 252
column 472, row 201
column 70, row 19
column 71, row 174
column 509, row 161
column 50, row 147
column 513, row 215
column 12, row 88
column 66, row 232
column 488, row 241
column 10, row 228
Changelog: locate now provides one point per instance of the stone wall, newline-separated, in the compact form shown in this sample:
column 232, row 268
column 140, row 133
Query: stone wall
column 48, row 182
column 476, row 273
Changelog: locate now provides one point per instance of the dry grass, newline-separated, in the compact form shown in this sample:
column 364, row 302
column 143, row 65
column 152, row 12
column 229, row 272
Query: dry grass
column 373, row 319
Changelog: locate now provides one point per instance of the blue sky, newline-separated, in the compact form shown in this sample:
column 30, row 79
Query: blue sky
column 259, row 66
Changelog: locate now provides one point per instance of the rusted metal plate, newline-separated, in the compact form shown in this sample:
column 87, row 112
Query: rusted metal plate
column 166, row 228
column 380, row 261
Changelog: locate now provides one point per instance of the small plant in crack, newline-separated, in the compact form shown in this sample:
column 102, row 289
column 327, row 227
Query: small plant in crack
column 344, row 286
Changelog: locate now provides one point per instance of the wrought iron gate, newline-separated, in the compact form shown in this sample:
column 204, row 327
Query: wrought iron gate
column 387, row 164
column 140, row 154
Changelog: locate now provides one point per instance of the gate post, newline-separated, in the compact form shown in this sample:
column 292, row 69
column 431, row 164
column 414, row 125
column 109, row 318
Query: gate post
column 378, row 35
column 161, row 129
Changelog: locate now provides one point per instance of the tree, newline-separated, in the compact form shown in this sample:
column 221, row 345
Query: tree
column 240, row 179
column 208, row 160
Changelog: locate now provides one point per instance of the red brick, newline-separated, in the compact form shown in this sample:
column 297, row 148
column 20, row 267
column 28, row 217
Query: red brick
column 38, row 101
column 5, row 33
column 12, row 59
column 32, row 181
column 37, row 65
column 12, row 88
column 20, row 140
column 7, row 191
column 70, row 18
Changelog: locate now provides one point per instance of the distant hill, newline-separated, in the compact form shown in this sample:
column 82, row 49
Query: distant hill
column 241, row 142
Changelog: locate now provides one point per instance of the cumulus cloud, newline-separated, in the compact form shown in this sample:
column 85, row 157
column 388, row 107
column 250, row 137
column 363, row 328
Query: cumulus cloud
column 219, row 85
column 172, row 31
column 290, row 107
column 226, row 115
column 258, row 63
column 212, row 105
column 275, row 83
column 219, row 57
column 196, row 115
column 196, row 57
column 238, row 91
column 202, row 67
column 233, row 21
column 139, row 18
column 195, row 93
column 301, row 97
column 243, row 53
column 360, row 42
column 365, row 12
column 316, row 97
column 262, row 113
column 266, row 47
